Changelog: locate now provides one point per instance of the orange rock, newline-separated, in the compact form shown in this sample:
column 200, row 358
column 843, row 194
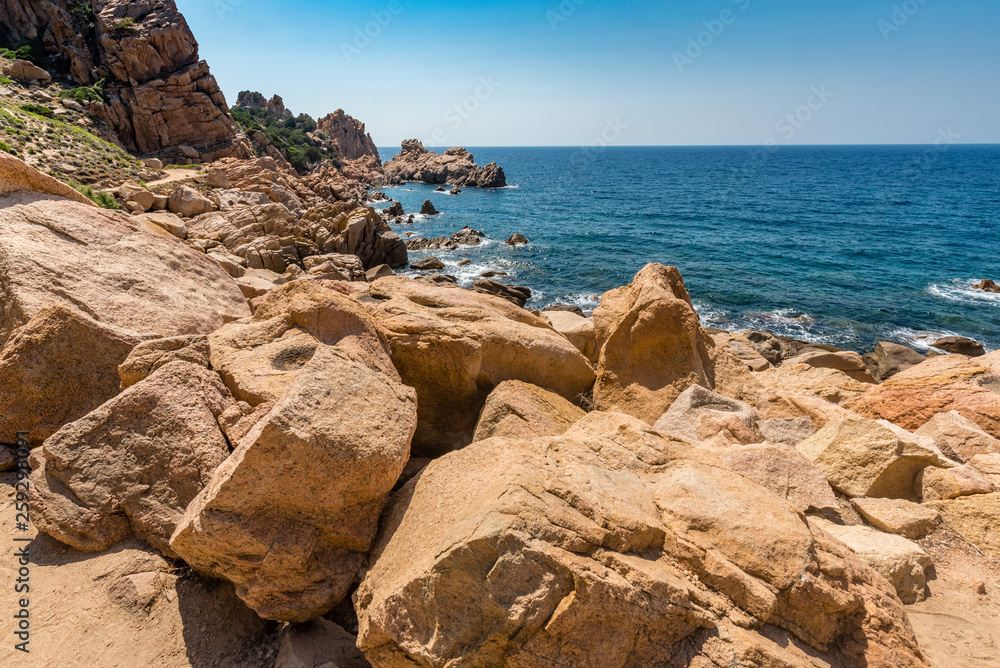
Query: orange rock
column 939, row 385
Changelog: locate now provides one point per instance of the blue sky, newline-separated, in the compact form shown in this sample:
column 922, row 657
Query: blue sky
column 673, row 72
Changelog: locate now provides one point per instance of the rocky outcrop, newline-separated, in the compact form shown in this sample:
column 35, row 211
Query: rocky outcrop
column 107, row 265
column 784, row 471
column 936, row 484
column 291, row 514
column 456, row 346
column 456, row 167
column 295, row 221
column 57, row 368
column 975, row 518
column 149, row 356
column 578, row 330
column 318, row 644
column 613, row 546
column 652, row 345
column 159, row 95
column 349, row 136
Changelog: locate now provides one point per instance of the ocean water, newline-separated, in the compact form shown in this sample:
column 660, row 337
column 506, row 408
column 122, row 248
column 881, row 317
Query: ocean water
column 840, row 245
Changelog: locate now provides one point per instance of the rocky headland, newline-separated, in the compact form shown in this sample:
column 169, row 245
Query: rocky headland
column 247, row 442
column 454, row 167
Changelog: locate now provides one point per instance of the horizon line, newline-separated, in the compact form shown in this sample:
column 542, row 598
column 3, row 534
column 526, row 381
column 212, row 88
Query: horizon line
column 764, row 146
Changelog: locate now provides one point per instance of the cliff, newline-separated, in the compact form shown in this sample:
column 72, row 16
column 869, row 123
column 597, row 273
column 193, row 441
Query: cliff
column 158, row 95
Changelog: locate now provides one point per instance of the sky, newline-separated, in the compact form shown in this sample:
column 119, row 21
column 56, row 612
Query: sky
column 593, row 72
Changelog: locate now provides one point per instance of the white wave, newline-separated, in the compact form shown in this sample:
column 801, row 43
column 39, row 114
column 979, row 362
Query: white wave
column 962, row 292
column 919, row 339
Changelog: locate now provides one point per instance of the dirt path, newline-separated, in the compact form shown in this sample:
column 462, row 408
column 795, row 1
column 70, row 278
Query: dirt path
column 175, row 175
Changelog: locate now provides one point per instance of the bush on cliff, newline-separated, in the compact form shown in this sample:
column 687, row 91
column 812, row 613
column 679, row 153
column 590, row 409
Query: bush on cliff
column 98, row 197
column 292, row 136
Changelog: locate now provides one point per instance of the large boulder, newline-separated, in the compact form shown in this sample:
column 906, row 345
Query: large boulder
column 891, row 358
column 741, row 348
column 259, row 357
column 27, row 72
column 939, row 385
column 133, row 465
column 846, row 361
column 107, row 265
column 57, row 368
column 521, row 410
column 905, row 518
column 17, row 176
column 975, row 518
column 863, row 458
column 787, row 431
column 612, row 546
column 935, row 484
column 455, row 346
column 786, row 472
column 652, row 345
column 187, row 202
column 290, row 516
column 958, row 437
column 699, row 415
column 901, row 561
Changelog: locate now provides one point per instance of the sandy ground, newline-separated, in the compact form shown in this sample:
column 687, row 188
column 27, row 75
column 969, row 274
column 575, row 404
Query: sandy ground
column 174, row 175
column 957, row 627
column 128, row 607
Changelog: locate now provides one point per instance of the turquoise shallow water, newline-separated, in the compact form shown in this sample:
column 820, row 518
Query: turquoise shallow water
column 842, row 245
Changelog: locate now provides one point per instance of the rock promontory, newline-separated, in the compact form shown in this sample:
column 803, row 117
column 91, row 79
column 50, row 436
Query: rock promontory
column 455, row 167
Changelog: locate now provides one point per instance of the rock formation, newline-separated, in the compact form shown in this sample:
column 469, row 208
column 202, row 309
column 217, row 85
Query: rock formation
column 159, row 95
column 349, row 135
column 613, row 546
column 455, row 167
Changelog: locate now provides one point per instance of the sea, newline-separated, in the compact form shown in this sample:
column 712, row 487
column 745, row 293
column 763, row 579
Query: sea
column 842, row 245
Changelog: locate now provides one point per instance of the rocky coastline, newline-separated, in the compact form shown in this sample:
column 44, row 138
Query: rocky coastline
column 246, row 440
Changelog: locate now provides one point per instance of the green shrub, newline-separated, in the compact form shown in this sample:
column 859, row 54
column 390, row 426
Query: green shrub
column 93, row 93
column 37, row 110
column 182, row 167
column 126, row 26
column 98, row 197
column 5, row 147
column 20, row 53
column 4, row 81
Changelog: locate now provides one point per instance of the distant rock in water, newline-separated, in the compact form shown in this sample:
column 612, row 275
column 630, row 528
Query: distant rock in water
column 428, row 208
column 427, row 264
column 516, row 239
column 987, row 285
column 158, row 94
column 456, row 167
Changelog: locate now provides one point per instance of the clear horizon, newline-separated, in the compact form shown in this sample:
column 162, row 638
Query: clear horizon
column 582, row 72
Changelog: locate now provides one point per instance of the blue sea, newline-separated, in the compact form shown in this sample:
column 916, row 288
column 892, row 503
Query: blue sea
column 843, row 245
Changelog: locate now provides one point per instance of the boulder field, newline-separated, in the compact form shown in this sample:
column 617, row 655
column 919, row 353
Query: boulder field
column 314, row 470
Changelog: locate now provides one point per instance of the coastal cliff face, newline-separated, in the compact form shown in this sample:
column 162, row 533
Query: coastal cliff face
column 158, row 95
column 350, row 136
column 456, row 167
